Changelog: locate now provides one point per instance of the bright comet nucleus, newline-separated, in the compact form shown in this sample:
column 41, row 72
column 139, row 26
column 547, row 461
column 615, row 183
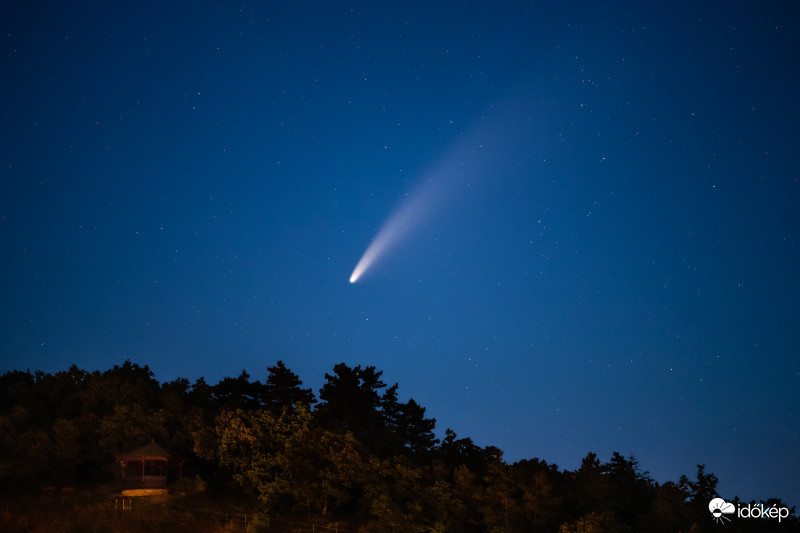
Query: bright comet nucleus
column 439, row 187
column 483, row 152
column 394, row 228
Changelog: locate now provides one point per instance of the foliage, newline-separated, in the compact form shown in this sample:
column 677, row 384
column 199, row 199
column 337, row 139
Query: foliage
column 283, row 389
column 360, row 457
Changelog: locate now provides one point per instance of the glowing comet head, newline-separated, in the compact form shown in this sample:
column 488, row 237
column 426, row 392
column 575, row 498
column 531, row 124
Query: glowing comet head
column 437, row 186
column 467, row 159
column 386, row 235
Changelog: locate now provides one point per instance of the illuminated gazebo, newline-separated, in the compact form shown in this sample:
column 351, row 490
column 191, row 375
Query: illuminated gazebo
column 147, row 467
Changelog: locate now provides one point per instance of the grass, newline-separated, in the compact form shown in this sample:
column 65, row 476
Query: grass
column 99, row 511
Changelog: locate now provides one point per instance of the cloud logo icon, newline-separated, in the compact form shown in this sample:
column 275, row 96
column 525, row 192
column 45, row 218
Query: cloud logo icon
column 719, row 508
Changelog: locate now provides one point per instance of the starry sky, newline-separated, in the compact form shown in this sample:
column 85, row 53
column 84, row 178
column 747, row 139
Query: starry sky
column 603, row 245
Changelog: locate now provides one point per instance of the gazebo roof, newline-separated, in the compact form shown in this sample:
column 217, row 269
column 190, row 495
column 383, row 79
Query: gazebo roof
column 148, row 451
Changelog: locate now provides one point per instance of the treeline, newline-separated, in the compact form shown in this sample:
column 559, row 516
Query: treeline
column 354, row 455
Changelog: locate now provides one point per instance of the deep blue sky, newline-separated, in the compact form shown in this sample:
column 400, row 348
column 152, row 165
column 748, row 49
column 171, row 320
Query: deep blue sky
column 611, row 261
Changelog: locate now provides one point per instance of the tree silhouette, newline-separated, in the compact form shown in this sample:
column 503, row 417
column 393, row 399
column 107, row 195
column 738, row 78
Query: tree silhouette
column 351, row 399
column 362, row 456
column 283, row 389
column 238, row 393
column 411, row 432
column 454, row 451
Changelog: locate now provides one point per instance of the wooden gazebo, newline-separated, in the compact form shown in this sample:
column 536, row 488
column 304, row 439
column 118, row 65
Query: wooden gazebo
column 148, row 467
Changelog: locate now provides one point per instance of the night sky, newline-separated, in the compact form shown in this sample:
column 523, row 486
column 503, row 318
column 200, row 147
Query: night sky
column 602, row 240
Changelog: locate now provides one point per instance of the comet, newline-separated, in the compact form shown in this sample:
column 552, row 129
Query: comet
column 473, row 156
column 409, row 215
column 441, row 185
